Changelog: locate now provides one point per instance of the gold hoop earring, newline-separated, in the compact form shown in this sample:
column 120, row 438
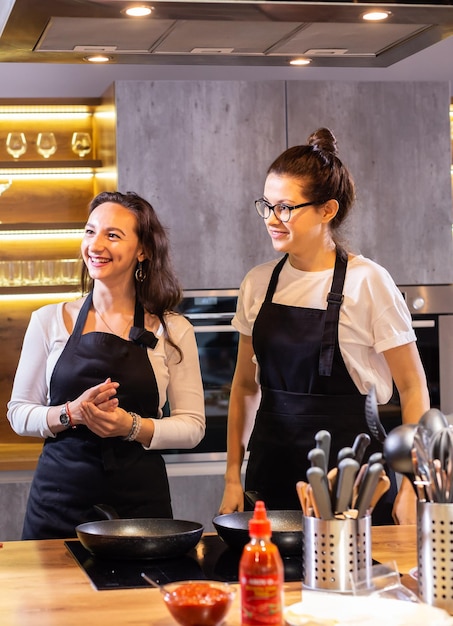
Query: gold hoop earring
column 139, row 273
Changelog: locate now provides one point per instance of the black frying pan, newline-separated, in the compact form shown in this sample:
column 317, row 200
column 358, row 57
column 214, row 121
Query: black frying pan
column 141, row 538
column 286, row 526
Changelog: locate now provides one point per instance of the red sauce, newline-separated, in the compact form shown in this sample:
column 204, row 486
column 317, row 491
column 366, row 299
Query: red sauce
column 198, row 604
column 261, row 578
column 261, row 574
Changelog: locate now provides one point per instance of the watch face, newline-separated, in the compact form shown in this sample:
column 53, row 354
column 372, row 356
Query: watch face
column 64, row 417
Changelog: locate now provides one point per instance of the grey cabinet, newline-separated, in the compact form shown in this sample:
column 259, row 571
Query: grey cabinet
column 395, row 139
column 198, row 151
column 14, row 490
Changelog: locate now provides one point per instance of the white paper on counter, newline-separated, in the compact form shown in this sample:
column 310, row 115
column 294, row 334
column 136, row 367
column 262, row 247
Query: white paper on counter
column 333, row 609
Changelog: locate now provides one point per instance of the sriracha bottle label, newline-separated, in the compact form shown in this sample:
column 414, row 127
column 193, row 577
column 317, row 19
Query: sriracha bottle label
column 261, row 600
column 261, row 574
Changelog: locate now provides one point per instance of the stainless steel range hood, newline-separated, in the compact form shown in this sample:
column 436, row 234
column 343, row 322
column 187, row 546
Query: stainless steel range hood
column 331, row 34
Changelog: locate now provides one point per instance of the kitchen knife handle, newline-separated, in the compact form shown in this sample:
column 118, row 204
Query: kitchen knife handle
column 383, row 485
column 302, row 492
column 317, row 458
column 376, row 457
column 361, row 443
column 318, row 481
column 368, row 487
column 323, row 440
column 347, row 472
column 345, row 453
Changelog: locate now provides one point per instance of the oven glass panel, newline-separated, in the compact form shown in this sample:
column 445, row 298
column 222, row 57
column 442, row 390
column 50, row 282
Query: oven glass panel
column 428, row 346
column 217, row 341
column 217, row 351
column 427, row 332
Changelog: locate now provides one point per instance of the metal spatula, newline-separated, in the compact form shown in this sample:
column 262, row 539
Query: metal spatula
column 372, row 416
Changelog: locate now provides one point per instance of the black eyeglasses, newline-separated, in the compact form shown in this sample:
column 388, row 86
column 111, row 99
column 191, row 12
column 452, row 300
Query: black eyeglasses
column 281, row 211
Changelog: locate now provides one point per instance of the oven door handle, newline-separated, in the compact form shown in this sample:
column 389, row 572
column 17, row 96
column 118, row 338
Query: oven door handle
column 215, row 329
column 209, row 316
column 423, row 323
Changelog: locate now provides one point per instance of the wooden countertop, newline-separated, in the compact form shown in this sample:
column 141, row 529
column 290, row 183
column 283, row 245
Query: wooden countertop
column 42, row 585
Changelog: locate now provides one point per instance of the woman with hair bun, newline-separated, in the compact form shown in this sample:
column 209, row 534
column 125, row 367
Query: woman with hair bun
column 318, row 328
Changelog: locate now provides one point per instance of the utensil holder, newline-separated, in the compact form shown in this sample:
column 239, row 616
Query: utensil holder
column 435, row 554
column 335, row 550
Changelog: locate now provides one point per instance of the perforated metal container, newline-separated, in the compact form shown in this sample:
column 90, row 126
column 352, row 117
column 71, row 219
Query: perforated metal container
column 334, row 550
column 435, row 554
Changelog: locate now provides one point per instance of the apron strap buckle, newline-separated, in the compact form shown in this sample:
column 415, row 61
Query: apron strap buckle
column 335, row 298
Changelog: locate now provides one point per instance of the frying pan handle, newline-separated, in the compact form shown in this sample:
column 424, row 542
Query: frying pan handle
column 252, row 497
column 107, row 511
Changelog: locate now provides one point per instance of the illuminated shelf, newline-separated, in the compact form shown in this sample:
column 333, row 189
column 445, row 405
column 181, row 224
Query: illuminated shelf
column 41, row 228
column 38, row 290
column 47, row 108
column 50, row 164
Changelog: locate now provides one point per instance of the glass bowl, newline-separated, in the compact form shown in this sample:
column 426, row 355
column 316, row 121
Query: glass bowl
column 198, row 602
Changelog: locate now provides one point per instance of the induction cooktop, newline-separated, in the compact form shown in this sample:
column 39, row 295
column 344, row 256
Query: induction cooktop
column 211, row 559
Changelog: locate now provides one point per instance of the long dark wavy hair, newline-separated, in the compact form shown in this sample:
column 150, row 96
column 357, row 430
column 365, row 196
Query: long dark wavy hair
column 160, row 291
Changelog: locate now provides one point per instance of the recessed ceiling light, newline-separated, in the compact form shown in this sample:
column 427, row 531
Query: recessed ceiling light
column 376, row 16
column 301, row 61
column 138, row 11
column 97, row 58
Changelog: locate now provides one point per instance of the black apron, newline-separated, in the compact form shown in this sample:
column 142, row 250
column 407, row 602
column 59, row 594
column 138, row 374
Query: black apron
column 77, row 468
column 305, row 387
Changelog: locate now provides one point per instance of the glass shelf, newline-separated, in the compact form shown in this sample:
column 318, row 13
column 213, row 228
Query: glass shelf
column 41, row 228
column 39, row 273
column 50, row 164
column 41, row 289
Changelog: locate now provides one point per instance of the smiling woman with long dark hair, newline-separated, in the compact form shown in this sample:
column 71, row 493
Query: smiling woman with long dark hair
column 95, row 373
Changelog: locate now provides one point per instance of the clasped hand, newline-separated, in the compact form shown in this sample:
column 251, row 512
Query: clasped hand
column 97, row 408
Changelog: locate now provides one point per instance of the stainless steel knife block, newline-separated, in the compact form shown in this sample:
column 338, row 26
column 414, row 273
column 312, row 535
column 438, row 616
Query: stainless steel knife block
column 334, row 550
column 435, row 554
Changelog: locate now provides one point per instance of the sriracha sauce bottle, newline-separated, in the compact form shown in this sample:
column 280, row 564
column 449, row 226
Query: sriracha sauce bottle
column 261, row 574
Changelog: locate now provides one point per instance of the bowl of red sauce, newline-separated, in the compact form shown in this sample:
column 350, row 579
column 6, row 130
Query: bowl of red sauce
column 198, row 602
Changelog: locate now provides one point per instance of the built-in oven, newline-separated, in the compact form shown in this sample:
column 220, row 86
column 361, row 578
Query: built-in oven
column 211, row 311
column 431, row 308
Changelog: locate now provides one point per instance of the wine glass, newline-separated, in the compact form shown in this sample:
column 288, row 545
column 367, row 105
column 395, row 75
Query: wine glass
column 5, row 183
column 81, row 144
column 16, row 144
column 46, row 144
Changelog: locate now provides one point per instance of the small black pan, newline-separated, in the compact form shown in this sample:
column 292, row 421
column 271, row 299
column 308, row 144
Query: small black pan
column 141, row 538
column 286, row 526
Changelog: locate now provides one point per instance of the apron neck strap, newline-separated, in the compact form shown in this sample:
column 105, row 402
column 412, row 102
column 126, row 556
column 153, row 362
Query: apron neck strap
column 139, row 314
column 334, row 301
column 82, row 316
column 138, row 334
column 274, row 279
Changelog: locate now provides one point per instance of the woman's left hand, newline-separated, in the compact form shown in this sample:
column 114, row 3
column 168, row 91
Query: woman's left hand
column 106, row 422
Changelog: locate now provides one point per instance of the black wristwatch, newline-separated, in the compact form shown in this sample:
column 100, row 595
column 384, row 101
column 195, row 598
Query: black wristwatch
column 64, row 417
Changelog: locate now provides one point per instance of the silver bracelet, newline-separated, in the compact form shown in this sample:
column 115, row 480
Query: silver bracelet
column 135, row 428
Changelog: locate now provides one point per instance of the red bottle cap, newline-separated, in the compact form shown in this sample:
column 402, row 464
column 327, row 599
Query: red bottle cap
column 260, row 525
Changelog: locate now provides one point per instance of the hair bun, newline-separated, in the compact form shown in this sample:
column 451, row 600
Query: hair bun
column 324, row 140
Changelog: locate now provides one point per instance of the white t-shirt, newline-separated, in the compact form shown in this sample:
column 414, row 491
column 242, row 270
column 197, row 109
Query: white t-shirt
column 44, row 341
column 373, row 317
